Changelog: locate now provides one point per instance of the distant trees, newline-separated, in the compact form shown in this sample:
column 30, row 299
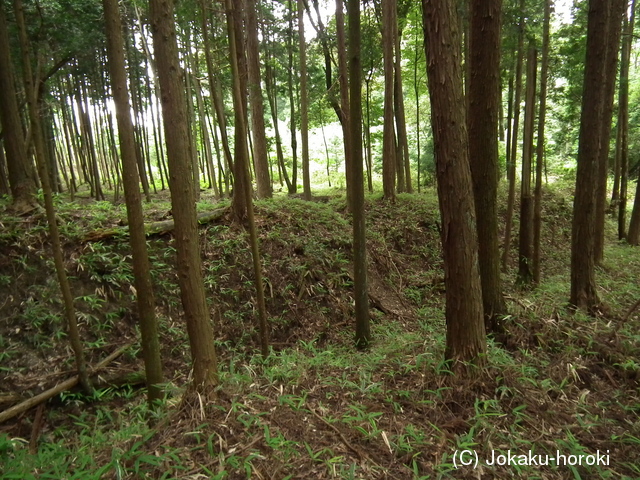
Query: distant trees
column 35, row 126
column 21, row 176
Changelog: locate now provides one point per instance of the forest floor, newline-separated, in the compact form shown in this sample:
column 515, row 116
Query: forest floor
column 562, row 383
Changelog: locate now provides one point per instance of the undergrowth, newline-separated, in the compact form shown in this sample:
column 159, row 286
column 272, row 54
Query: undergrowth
column 561, row 383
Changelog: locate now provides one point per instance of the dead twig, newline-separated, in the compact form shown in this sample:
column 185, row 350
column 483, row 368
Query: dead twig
column 66, row 385
column 355, row 450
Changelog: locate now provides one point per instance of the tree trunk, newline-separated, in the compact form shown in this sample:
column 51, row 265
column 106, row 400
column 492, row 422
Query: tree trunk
column 398, row 140
column 537, row 212
column 256, row 99
column 401, row 123
column 416, row 91
column 511, row 164
column 363, row 333
column 293, row 187
column 21, row 179
column 234, row 13
column 137, row 238
column 271, row 95
column 525, row 239
column 4, row 177
column 189, row 263
column 191, row 115
column 343, row 81
column 618, row 8
column 464, row 312
column 304, row 104
column 622, row 145
column 206, row 139
column 633, row 235
column 483, row 98
column 388, row 139
column 583, row 284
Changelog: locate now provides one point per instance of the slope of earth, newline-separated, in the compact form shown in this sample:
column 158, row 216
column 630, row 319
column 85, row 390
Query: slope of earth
column 562, row 382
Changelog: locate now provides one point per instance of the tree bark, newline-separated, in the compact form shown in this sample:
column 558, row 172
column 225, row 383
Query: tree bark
column 363, row 332
column 189, row 264
column 618, row 8
column 633, row 235
column 525, row 272
column 622, row 145
column 256, row 100
column 389, row 136
column 511, row 164
column 343, row 81
column 398, row 140
column 583, row 256
column 483, row 98
column 293, row 186
column 137, row 240
column 464, row 312
column 4, row 177
column 537, row 212
column 242, row 167
column 304, row 104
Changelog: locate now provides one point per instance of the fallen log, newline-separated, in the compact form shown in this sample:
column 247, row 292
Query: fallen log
column 153, row 228
column 61, row 387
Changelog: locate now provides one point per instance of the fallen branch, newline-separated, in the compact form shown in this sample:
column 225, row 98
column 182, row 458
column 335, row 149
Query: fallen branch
column 154, row 228
column 61, row 387
column 346, row 443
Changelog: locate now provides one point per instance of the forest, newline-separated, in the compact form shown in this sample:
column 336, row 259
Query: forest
column 282, row 239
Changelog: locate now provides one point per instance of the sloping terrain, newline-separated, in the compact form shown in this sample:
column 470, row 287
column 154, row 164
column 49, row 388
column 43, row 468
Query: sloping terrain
column 561, row 382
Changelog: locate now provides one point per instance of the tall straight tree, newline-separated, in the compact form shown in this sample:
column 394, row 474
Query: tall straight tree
column 464, row 311
column 363, row 333
column 343, row 81
column 525, row 238
column 234, row 15
column 137, row 238
column 304, row 104
column 389, row 137
column 537, row 209
column 621, row 169
column 512, row 142
column 484, row 103
column 402, row 142
column 618, row 8
column 291, row 72
column 189, row 263
column 583, row 256
column 256, row 100
column 20, row 173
